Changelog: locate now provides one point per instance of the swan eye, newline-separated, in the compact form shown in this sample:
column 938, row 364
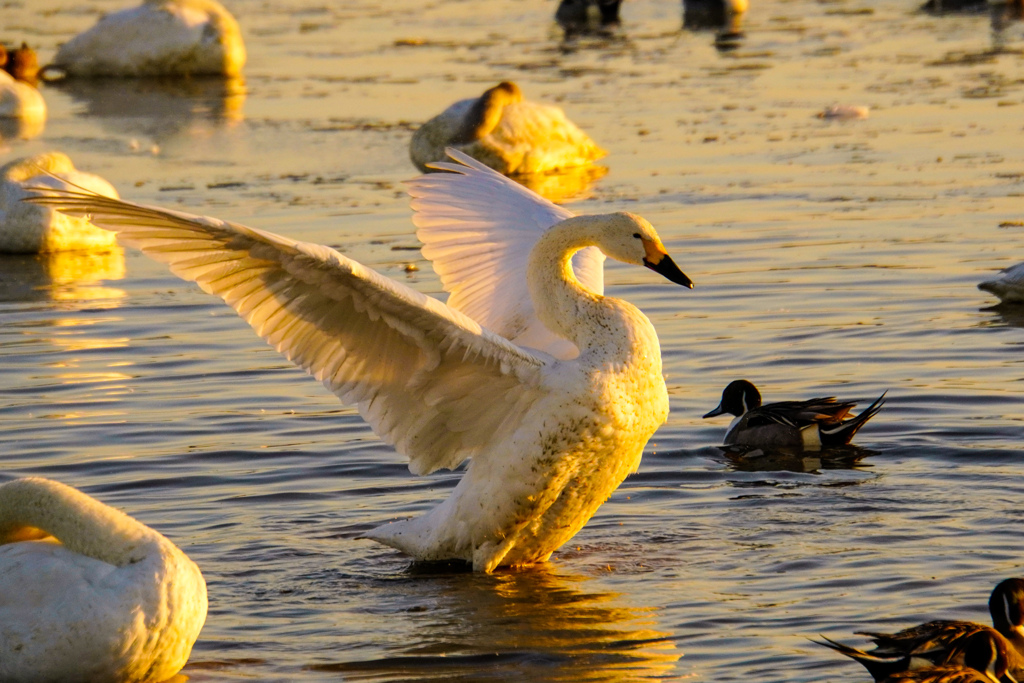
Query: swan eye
column 636, row 235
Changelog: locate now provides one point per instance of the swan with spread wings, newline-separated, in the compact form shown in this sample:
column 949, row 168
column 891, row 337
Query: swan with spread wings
column 548, row 388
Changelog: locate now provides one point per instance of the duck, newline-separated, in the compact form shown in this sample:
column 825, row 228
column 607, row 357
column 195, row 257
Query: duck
column 88, row 593
column 505, row 132
column 810, row 425
column 1006, row 605
column 980, row 656
column 547, row 387
column 32, row 229
column 1010, row 287
column 21, row 63
column 157, row 38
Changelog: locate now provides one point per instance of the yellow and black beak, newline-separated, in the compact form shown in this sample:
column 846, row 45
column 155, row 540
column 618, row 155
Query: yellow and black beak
column 657, row 260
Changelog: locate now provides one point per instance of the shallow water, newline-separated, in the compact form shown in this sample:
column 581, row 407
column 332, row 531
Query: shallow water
column 831, row 257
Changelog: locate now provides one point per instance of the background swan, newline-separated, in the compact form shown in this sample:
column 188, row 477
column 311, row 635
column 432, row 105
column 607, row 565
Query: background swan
column 30, row 228
column 106, row 599
column 1009, row 287
column 20, row 100
column 549, row 438
column 158, row 38
column 506, row 133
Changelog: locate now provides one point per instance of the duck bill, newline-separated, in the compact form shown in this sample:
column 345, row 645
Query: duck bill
column 716, row 412
column 665, row 266
column 662, row 264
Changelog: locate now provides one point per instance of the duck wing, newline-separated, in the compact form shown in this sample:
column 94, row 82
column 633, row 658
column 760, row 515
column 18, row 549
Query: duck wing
column 428, row 378
column 931, row 638
column 477, row 228
column 801, row 413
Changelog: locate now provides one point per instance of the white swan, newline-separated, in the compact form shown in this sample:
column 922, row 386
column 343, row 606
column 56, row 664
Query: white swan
column 505, row 132
column 106, row 599
column 552, row 430
column 1010, row 287
column 20, row 100
column 158, row 38
column 29, row 228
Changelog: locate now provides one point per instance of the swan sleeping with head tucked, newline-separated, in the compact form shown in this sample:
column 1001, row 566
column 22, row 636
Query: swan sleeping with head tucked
column 31, row 229
column 157, row 38
column 105, row 599
column 550, row 389
column 505, row 132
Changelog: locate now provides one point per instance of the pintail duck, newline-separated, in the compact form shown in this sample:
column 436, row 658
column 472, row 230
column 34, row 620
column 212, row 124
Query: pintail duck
column 813, row 424
column 980, row 649
column 21, row 63
column 505, row 132
column 1010, row 287
column 940, row 641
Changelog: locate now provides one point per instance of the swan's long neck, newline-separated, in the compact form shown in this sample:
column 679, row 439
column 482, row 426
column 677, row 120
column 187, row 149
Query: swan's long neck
column 561, row 302
column 82, row 524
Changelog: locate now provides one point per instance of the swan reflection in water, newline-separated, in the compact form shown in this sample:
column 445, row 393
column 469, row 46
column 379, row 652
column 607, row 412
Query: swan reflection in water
column 160, row 109
column 536, row 624
column 565, row 185
column 24, row 128
column 63, row 276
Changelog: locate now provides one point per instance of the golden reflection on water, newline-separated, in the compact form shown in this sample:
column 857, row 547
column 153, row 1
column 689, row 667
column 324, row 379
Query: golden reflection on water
column 565, row 185
column 536, row 624
column 63, row 276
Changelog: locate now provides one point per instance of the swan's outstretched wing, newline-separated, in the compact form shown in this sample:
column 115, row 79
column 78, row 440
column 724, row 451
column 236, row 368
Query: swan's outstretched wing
column 478, row 227
column 427, row 378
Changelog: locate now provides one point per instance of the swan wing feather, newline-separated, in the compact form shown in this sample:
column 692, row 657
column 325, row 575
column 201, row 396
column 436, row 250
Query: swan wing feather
column 428, row 378
column 477, row 228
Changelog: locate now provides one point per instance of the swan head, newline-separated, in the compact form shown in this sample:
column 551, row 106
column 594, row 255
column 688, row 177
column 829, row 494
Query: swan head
column 484, row 115
column 631, row 239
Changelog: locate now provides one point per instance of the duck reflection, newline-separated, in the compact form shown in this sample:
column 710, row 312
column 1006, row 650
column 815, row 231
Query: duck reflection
column 724, row 17
column 746, row 459
column 159, row 108
column 63, row 276
column 562, row 186
column 527, row 625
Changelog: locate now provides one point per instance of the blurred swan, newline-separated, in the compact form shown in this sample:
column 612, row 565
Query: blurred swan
column 105, row 599
column 158, row 38
column 29, row 228
column 549, row 387
column 20, row 100
column 502, row 130
column 1010, row 287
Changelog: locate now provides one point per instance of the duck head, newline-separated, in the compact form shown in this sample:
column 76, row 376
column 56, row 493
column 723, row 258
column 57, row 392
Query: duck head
column 1007, row 608
column 737, row 398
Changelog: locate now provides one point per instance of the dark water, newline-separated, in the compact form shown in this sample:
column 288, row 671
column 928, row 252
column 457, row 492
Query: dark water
column 831, row 257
